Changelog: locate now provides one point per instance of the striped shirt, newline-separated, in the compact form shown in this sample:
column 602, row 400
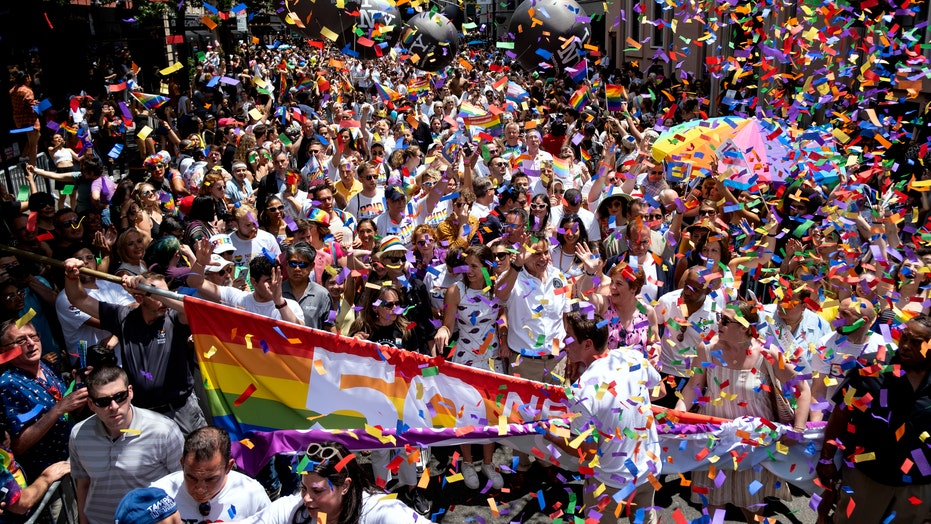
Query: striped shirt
column 147, row 451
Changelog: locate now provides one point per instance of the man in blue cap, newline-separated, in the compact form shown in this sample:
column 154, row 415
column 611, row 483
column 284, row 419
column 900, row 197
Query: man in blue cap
column 147, row 506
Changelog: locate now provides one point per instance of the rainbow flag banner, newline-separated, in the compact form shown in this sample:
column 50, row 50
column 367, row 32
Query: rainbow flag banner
column 614, row 94
column 418, row 85
column 470, row 110
column 489, row 123
column 516, row 93
column 277, row 387
column 150, row 101
column 561, row 168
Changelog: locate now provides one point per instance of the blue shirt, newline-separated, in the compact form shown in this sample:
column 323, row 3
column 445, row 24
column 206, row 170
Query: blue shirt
column 25, row 400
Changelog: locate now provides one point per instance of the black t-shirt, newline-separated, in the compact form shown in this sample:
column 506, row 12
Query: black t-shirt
column 155, row 356
column 893, row 407
column 392, row 336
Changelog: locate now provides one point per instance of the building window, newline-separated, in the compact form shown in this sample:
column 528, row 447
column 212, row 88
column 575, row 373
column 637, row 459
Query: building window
column 656, row 13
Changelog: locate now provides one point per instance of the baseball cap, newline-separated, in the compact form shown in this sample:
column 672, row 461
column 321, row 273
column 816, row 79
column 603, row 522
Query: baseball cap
column 217, row 264
column 394, row 193
column 222, row 244
column 145, row 506
column 391, row 243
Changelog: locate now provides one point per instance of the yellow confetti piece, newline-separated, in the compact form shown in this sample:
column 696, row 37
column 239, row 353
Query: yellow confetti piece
column 255, row 114
column 248, row 443
column 864, row 457
column 454, row 478
column 249, row 341
column 321, row 517
column 144, row 132
column 327, row 33
column 494, row 507
column 131, row 431
column 502, row 425
column 23, row 320
column 577, row 441
column 210, row 352
column 171, row 69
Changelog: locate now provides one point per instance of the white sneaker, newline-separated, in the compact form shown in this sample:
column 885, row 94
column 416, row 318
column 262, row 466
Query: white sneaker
column 469, row 475
column 497, row 481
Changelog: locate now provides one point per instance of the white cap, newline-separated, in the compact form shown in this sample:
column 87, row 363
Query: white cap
column 217, row 264
column 222, row 244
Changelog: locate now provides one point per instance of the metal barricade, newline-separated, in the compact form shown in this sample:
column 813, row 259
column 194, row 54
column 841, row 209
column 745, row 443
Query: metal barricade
column 58, row 506
column 14, row 175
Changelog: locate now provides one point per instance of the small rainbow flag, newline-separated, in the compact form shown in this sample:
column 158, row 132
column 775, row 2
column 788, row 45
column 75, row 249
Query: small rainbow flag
column 584, row 154
column 561, row 168
column 469, row 110
column 517, row 93
column 418, row 84
column 150, row 101
column 579, row 98
column 386, row 93
column 614, row 94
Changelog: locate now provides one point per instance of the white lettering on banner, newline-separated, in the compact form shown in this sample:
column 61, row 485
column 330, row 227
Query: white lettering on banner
column 419, row 46
column 376, row 392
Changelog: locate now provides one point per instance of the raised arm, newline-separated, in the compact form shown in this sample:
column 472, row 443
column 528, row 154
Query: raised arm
column 75, row 291
column 196, row 280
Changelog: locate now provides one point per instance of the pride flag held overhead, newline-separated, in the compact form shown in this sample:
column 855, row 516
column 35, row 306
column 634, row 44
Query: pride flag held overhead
column 579, row 98
column 614, row 95
column 149, row 101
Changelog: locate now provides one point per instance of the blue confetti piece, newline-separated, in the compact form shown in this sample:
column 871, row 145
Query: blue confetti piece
column 29, row 415
column 265, row 348
column 231, row 512
column 278, row 330
column 754, row 487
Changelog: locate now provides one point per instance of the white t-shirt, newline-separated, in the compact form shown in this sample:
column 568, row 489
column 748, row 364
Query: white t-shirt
column 611, row 410
column 246, row 300
column 361, row 206
column 241, row 498
column 376, row 509
column 592, row 227
column 837, row 355
column 676, row 357
column 73, row 320
column 246, row 250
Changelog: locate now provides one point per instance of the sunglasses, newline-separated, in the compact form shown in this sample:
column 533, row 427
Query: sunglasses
column 425, row 242
column 370, row 177
column 501, row 255
column 390, row 305
column 378, row 153
column 276, row 209
column 104, row 402
column 725, row 321
column 500, row 164
column 294, row 264
column 315, row 151
column 73, row 222
column 656, row 216
column 148, row 193
column 394, row 260
column 681, row 335
column 429, row 185
column 707, row 213
column 538, row 206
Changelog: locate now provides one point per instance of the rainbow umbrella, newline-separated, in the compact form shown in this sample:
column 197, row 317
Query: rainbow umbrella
column 749, row 145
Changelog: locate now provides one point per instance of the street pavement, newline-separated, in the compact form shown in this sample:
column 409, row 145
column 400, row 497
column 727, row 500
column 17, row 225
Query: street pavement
column 453, row 503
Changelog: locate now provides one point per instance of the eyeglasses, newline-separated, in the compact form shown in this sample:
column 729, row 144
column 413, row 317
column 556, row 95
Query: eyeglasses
column 11, row 297
column 538, row 206
column 104, row 402
column 21, row 341
column 315, row 151
column 378, row 153
column 725, row 321
column 370, row 177
column 501, row 255
column 294, row 264
column 204, row 508
column 74, row 222
column 429, row 185
column 559, row 191
column 638, row 242
column 426, row 241
column 656, row 216
column 707, row 213
column 390, row 305
column 323, row 453
column 147, row 193
column 394, row 260
column 681, row 335
column 500, row 164
column 276, row 209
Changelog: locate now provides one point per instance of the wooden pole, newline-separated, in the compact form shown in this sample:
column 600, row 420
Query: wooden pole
column 90, row 272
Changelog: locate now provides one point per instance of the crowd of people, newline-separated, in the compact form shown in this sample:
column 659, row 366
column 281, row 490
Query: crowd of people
column 551, row 246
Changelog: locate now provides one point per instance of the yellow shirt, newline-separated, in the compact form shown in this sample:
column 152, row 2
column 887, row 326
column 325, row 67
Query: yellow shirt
column 349, row 192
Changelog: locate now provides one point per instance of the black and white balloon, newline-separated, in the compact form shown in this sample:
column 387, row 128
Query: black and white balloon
column 455, row 14
column 376, row 20
column 431, row 41
column 561, row 20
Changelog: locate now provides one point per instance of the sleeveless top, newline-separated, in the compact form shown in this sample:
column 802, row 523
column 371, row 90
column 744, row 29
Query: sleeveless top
column 476, row 320
column 635, row 334
column 751, row 400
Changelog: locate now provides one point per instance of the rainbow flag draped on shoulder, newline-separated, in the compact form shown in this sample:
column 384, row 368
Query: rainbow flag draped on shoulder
column 276, row 387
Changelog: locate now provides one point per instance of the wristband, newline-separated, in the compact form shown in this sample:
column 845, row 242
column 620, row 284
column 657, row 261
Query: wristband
column 281, row 306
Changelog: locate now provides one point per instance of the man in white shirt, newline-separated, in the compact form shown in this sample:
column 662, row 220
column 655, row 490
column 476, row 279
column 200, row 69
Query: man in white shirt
column 686, row 317
column 853, row 344
column 370, row 202
column 265, row 277
column 573, row 206
column 484, row 197
column 206, row 488
column 249, row 240
column 77, row 326
column 795, row 329
column 621, row 464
